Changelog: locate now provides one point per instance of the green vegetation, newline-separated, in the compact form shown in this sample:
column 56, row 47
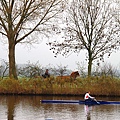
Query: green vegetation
column 103, row 85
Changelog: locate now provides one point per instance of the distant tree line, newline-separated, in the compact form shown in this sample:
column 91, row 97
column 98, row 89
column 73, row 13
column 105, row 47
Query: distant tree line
column 32, row 70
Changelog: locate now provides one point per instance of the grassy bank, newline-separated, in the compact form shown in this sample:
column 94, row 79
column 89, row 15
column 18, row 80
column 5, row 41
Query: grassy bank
column 100, row 86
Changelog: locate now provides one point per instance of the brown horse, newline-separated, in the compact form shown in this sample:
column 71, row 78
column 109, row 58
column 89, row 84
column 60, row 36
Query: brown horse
column 75, row 74
column 72, row 76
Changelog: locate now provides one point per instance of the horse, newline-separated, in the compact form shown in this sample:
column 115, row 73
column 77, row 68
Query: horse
column 75, row 74
column 62, row 80
column 72, row 76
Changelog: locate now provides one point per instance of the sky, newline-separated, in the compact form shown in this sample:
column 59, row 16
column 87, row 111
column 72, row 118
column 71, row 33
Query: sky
column 41, row 53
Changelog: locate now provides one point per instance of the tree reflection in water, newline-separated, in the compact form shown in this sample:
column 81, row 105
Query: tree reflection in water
column 11, row 102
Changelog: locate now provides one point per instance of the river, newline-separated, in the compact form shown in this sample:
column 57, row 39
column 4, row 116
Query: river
column 29, row 108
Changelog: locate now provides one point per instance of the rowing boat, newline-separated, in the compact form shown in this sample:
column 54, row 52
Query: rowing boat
column 99, row 102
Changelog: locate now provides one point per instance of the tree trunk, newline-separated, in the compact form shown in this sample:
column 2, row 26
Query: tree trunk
column 12, row 65
column 89, row 64
column 89, row 67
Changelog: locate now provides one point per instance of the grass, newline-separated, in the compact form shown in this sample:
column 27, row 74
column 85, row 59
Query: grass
column 99, row 86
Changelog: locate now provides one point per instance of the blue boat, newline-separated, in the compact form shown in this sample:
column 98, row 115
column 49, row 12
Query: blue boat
column 99, row 102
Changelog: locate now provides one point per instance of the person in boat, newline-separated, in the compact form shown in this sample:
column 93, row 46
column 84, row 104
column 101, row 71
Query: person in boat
column 88, row 97
column 46, row 75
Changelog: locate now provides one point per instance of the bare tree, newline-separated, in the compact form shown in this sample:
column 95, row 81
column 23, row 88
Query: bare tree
column 22, row 19
column 108, row 70
column 89, row 27
column 30, row 70
column 82, row 68
column 116, row 10
column 60, row 70
column 4, row 69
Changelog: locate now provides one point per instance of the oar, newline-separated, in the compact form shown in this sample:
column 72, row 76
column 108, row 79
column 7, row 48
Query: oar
column 96, row 101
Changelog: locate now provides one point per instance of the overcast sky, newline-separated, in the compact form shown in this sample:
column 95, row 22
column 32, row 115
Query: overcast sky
column 41, row 53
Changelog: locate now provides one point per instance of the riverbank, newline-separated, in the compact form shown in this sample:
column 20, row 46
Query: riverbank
column 99, row 86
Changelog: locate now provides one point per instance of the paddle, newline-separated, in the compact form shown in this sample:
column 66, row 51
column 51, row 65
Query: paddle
column 96, row 101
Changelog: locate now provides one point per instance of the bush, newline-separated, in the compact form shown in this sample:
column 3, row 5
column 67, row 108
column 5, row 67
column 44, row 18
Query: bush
column 103, row 85
column 10, row 86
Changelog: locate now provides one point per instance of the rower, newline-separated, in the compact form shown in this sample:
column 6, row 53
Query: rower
column 89, row 98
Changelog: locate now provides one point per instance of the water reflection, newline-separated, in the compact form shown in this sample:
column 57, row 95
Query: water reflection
column 29, row 107
column 88, row 109
column 11, row 107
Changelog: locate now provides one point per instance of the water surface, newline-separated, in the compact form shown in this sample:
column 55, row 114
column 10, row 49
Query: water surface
column 30, row 108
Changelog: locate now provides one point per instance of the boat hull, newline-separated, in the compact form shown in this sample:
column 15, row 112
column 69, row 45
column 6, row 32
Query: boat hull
column 99, row 102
